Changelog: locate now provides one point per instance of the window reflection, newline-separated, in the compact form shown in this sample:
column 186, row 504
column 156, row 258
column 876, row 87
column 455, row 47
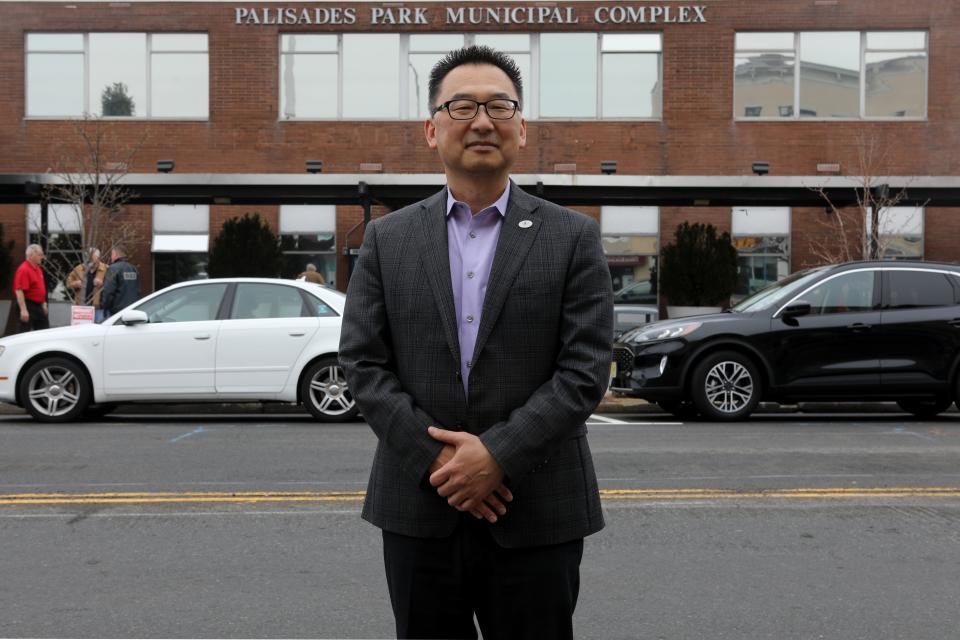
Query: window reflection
column 830, row 74
column 180, row 85
column 108, row 74
column 896, row 84
column 763, row 84
column 568, row 75
column 893, row 79
column 118, row 73
column 371, row 76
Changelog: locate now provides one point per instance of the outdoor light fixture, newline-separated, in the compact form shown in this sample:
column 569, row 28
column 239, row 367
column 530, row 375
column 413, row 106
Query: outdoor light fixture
column 164, row 166
column 761, row 168
column 608, row 167
column 314, row 166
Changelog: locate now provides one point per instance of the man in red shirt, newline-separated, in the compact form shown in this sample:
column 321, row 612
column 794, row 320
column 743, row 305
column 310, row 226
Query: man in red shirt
column 31, row 291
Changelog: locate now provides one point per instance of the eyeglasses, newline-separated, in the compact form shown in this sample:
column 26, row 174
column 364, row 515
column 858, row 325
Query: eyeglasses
column 463, row 109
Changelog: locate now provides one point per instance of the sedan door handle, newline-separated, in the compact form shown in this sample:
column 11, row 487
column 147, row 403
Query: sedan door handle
column 297, row 334
column 204, row 336
column 858, row 326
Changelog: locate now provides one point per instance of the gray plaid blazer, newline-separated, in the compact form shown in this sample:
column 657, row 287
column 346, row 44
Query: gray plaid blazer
column 540, row 367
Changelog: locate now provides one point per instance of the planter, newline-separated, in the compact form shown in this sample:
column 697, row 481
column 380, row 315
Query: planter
column 683, row 312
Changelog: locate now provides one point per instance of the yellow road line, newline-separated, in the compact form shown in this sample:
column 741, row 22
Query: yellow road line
column 146, row 497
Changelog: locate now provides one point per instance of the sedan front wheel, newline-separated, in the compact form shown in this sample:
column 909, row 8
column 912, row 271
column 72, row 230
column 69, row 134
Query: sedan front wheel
column 325, row 393
column 55, row 390
column 726, row 386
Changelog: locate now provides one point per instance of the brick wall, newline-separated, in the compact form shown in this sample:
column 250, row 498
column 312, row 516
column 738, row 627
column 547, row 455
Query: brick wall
column 697, row 136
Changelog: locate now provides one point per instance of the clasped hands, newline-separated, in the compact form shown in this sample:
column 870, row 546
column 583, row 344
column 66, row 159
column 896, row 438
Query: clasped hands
column 468, row 476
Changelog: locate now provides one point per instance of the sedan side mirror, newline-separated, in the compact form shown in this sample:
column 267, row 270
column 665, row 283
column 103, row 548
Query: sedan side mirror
column 795, row 310
column 132, row 316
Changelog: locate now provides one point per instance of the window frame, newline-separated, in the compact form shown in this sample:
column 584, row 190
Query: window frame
column 85, row 53
column 797, row 69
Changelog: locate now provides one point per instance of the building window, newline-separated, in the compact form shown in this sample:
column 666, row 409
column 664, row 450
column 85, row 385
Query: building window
column 181, row 243
column 762, row 238
column 425, row 51
column 64, row 244
column 901, row 233
column 579, row 75
column 117, row 75
column 631, row 243
column 308, row 236
column 841, row 74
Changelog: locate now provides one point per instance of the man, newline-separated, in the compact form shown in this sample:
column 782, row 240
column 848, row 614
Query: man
column 30, row 290
column 121, row 284
column 476, row 340
column 311, row 274
column 86, row 282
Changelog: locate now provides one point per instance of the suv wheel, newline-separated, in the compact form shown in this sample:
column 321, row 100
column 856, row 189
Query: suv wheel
column 928, row 408
column 726, row 386
column 55, row 390
column 325, row 393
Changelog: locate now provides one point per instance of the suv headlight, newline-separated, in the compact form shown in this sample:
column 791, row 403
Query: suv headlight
column 664, row 333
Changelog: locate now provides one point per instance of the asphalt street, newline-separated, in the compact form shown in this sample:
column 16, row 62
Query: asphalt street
column 786, row 526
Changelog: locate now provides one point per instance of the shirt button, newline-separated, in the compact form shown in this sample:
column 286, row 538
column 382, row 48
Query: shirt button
column 469, row 364
column 470, row 274
column 473, row 235
column 469, row 318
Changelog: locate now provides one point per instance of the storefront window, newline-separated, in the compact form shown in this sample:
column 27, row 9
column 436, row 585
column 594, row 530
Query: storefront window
column 64, row 244
column 180, row 245
column 901, row 233
column 762, row 238
column 112, row 75
column 308, row 236
column 630, row 237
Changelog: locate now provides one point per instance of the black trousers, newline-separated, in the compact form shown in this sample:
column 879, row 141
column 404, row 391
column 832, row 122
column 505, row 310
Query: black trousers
column 38, row 319
column 438, row 584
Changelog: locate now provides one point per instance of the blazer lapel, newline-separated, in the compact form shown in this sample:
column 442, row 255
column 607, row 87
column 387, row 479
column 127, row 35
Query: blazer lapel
column 512, row 248
column 436, row 261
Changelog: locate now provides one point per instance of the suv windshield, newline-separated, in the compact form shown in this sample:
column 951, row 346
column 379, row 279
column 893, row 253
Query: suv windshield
column 778, row 291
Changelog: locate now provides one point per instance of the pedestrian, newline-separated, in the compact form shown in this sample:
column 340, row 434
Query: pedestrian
column 121, row 283
column 30, row 289
column 312, row 275
column 476, row 341
column 86, row 282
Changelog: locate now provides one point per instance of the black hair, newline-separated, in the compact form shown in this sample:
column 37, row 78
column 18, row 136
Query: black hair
column 476, row 54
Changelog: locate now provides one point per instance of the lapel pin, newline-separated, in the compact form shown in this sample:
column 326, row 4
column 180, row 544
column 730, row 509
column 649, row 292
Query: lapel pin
column 525, row 224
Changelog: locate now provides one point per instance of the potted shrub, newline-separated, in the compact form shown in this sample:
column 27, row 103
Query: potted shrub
column 698, row 270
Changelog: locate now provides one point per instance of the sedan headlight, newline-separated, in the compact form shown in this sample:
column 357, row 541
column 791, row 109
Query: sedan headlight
column 664, row 333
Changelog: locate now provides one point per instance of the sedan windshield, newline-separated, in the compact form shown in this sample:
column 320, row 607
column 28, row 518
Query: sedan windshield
column 778, row 291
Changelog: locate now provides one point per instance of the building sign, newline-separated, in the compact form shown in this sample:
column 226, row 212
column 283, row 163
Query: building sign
column 463, row 16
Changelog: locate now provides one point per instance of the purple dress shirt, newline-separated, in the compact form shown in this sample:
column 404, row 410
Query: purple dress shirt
column 472, row 243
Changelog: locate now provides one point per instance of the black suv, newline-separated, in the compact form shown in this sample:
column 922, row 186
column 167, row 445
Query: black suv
column 854, row 331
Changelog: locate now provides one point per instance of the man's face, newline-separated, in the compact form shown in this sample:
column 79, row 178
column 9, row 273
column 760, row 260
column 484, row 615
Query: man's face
column 481, row 145
column 36, row 258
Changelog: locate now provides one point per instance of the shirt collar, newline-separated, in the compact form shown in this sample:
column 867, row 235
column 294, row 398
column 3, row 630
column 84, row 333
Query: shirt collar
column 500, row 204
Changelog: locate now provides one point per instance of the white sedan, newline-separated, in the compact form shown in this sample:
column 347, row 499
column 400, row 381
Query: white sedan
column 226, row 340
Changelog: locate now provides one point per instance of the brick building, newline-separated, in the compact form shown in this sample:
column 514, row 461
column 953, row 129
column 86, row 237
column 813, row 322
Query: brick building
column 666, row 89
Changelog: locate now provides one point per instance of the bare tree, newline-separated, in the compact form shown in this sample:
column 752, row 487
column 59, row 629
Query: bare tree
column 856, row 232
column 92, row 198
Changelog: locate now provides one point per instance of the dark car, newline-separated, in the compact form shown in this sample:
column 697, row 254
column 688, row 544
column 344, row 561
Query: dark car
column 859, row 331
